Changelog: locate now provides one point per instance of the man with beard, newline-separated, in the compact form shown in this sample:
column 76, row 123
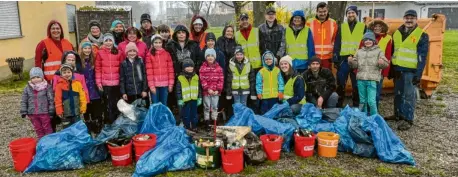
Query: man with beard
column 320, row 84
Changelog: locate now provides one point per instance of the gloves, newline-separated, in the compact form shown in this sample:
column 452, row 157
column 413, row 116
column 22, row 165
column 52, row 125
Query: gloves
column 253, row 97
column 180, row 102
column 415, row 80
column 228, row 97
column 199, row 101
column 280, row 96
column 23, row 115
column 260, row 96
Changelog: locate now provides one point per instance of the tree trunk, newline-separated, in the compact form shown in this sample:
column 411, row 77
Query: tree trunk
column 259, row 9
column 337, row 10
column 209, row 5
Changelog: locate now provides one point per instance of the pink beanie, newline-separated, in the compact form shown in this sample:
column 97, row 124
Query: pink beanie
column 131, row 46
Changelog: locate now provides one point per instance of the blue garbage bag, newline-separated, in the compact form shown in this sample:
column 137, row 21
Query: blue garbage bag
column 324, row 126
column 173, row 149
column 61, row 150
column 279, row 111
column 309, row 116
column 363, row 142
column 387, row 144
column 140, row 112
column 346, row 143
column 95, row 152
column 244, row 116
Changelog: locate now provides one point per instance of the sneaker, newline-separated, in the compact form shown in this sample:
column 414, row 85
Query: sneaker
column 393, row 117
column 404, row 125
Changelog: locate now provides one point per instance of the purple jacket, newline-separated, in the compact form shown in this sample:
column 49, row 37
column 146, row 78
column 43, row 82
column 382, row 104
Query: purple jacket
column 89, row 75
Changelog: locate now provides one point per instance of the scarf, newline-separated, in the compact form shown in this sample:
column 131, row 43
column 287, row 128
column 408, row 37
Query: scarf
column 98, row 41
column 39, row 86
column 118, row 38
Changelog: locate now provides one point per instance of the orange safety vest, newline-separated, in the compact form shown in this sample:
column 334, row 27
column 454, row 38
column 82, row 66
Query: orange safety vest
column 202, row 39
column 324, row 35
column 54, row 60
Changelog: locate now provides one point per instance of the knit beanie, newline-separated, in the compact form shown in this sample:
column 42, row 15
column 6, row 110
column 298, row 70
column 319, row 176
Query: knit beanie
column 314, row 59
column 144, row 17
column 352, row 8
column 116, row 22
column 187, row 63
column 63, row 66
column 287, row 59
column 94, row 23
column 238, row 49
column 209, row 36
column 108, row 36
column 36, row 72
column 131, row 46
column 156, row 36
column 210, row 52
column 86, row 44
column 369, row 35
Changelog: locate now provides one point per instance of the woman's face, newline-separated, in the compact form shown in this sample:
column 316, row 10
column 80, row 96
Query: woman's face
column 95, row 31
column 119, row 28
column 378, row 29
column 229, row 33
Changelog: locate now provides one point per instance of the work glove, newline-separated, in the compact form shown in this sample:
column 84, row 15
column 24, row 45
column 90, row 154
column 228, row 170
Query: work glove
column 23, row 115
column 259, row 96
column 280, row 96
column 180, row 102
column 253, row 97
column 199, row 101
column 415, row 80
column 228, row 97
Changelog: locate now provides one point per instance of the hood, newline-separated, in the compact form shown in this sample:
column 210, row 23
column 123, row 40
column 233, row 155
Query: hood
column 224, row 30
column 139, row 34
column 194, row 18
column 232, row 61
column 263, row 62
column 52, row 22
column 381, row 22
column 299, row 13
column 78, row 61
column 180, row 28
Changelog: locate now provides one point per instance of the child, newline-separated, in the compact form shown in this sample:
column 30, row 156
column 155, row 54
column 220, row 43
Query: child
column 38, row 102
column 159, row 70
column 70, row 100
column 269, row 82
column 164, row 31
column 369, row 61
column 107, row 65
column 189, row 94
column 132, row 76
column 93, row 115
column 212, row 81
column 241, row 78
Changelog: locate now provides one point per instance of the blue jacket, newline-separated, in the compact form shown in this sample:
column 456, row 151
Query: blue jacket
column 299, row 87
column 338, row 42
column 259, row 79
column 422, row 51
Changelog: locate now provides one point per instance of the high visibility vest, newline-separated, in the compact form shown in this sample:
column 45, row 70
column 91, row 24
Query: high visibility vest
column 323, row 36
column 289, row 90
column 250, row 47
column 351, row 40
column 189, row 91
column 384, row 42
column 240, row 80
column 296, row 47
column 54, row 60
column 269, row 82
column 405, row 52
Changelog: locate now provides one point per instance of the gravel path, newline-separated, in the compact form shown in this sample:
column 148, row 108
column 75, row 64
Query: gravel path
column 432, row 141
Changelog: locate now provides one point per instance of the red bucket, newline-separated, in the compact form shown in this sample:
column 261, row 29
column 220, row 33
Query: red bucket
column 121, row 156
column 141, row 146
column 22, row 150
column 304, row 146
column 232, row 160
column 272, row 146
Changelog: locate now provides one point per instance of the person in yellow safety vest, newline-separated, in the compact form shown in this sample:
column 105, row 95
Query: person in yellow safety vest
column 248, row 38
column 189, row 95
column 269, row 82
column 348, row 38
column 294, row 93
column 299, row 41
column 411, row 45
column 241, row 79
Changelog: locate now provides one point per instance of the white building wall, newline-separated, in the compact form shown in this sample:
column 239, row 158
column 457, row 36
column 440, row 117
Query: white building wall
column 397, row 10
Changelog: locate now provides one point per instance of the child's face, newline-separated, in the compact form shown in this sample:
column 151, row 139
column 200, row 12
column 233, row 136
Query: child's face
column 181, row 35
column 132, row 36
column 131, row 54
column 239, row 56
column 189, row 69
column 368, row 43
column 157, row 44
column 87, row 50
column 70, row 59
column 210, row 59
column 211, row 43
column 36, row 80
column 269, row 61
column 108, row 43
column 165, row 34
column 284, row 66
column 67, row 74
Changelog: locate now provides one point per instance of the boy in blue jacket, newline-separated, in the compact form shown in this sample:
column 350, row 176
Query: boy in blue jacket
column 269, row 82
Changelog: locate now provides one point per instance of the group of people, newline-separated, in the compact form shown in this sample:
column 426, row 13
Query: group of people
column 257, row 67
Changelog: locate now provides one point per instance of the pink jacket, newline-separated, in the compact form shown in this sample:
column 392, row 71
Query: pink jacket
column 141, row 46
column 159, row 69
column 78, row 77
column 107, row 67
column 211, row 77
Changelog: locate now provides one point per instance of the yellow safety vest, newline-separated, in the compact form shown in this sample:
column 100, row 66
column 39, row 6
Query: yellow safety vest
column 189, row 91
column 250, row 47
column 384, row 42
column 405, row 52
column 351, row 40
column 269, row 82
column 289, row 90
column 240, row 80
column 296, row 48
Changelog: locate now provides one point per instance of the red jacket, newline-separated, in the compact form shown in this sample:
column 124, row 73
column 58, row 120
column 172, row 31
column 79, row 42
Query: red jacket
column 159, row 69
column 107, row 67
column 388, row 52
column 141, row 46
column 211, row 77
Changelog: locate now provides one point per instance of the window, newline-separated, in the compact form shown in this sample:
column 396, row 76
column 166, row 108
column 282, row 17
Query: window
column 71, row 11
column 379, row 13
column 10, row 25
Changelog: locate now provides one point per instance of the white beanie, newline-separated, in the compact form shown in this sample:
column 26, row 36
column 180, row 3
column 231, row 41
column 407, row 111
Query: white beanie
column 287, row 59
column 198, row 21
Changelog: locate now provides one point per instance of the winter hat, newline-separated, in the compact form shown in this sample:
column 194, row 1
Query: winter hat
column 314, row 59
column 352, row 8
column 287, row 59
column 243, row 15
column 86, row 44
column 63, row 66
column 144, row 17
column 108, row 36
column 198, row 21
column 369, row 35
column 209, row 36
column 187, row 63
column 210, row 52
column 131, row 46
column 94, row 23
column 299, row 13
column 270, row 9
column 238, row 49
column 36, row 72
column 116, row 22
column 156, row 36
column 411, row 12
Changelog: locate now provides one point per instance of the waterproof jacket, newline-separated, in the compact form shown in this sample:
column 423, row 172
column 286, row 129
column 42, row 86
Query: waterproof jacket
column 323, row 85
column 230, row 76
column 89, row 76
column 159, row 69
column 107, row 67
column 366, row 61
column 299, row 87
column 388, row 50
column 272, row 39
column 190, row 50
column 226, row 45
column 143, row 51
column 69, row 98
column 211, row 78
column 260, row 79
column 132, row 77
column 37, row 102
column 178, row 86
column 78, row 77
column 199, row 37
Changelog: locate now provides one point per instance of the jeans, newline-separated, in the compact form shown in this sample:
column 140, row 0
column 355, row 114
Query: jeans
column 41, row 123
column 161, row 95
column 267, row 104
column 379, row 91
column 189, row 114
column 367, row 94
column 405, row 96
column 111, row 96
column 342, row 76
column 211, row 105
column 330, row 103
column 240, row 99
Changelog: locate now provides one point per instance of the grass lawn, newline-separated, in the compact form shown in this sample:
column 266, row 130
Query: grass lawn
column 450, row 62
column 217, row 30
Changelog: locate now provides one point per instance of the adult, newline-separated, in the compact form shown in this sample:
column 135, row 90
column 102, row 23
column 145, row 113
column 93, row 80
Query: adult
column 48, row 53
column 181, row 47
column 198, row 27
column 117, row 29
column 320, row 85
column 272, row 35
column 95, row 36
column 226, row 43
column 411, row 46
column 147, row 29
column 132, row 34
column 324, row 30
column 294, row 93
column 248, row 38
column 348, row 39
column 299, row 41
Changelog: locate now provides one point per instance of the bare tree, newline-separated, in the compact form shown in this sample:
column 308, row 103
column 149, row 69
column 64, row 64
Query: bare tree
column 195, row 6
column 237, row 5
column 337, row 10
column 208, row 6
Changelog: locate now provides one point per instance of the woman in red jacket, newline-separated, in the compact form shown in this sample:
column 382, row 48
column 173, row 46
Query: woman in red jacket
column 132, row 34
column 159, row 70
column 107, row 65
